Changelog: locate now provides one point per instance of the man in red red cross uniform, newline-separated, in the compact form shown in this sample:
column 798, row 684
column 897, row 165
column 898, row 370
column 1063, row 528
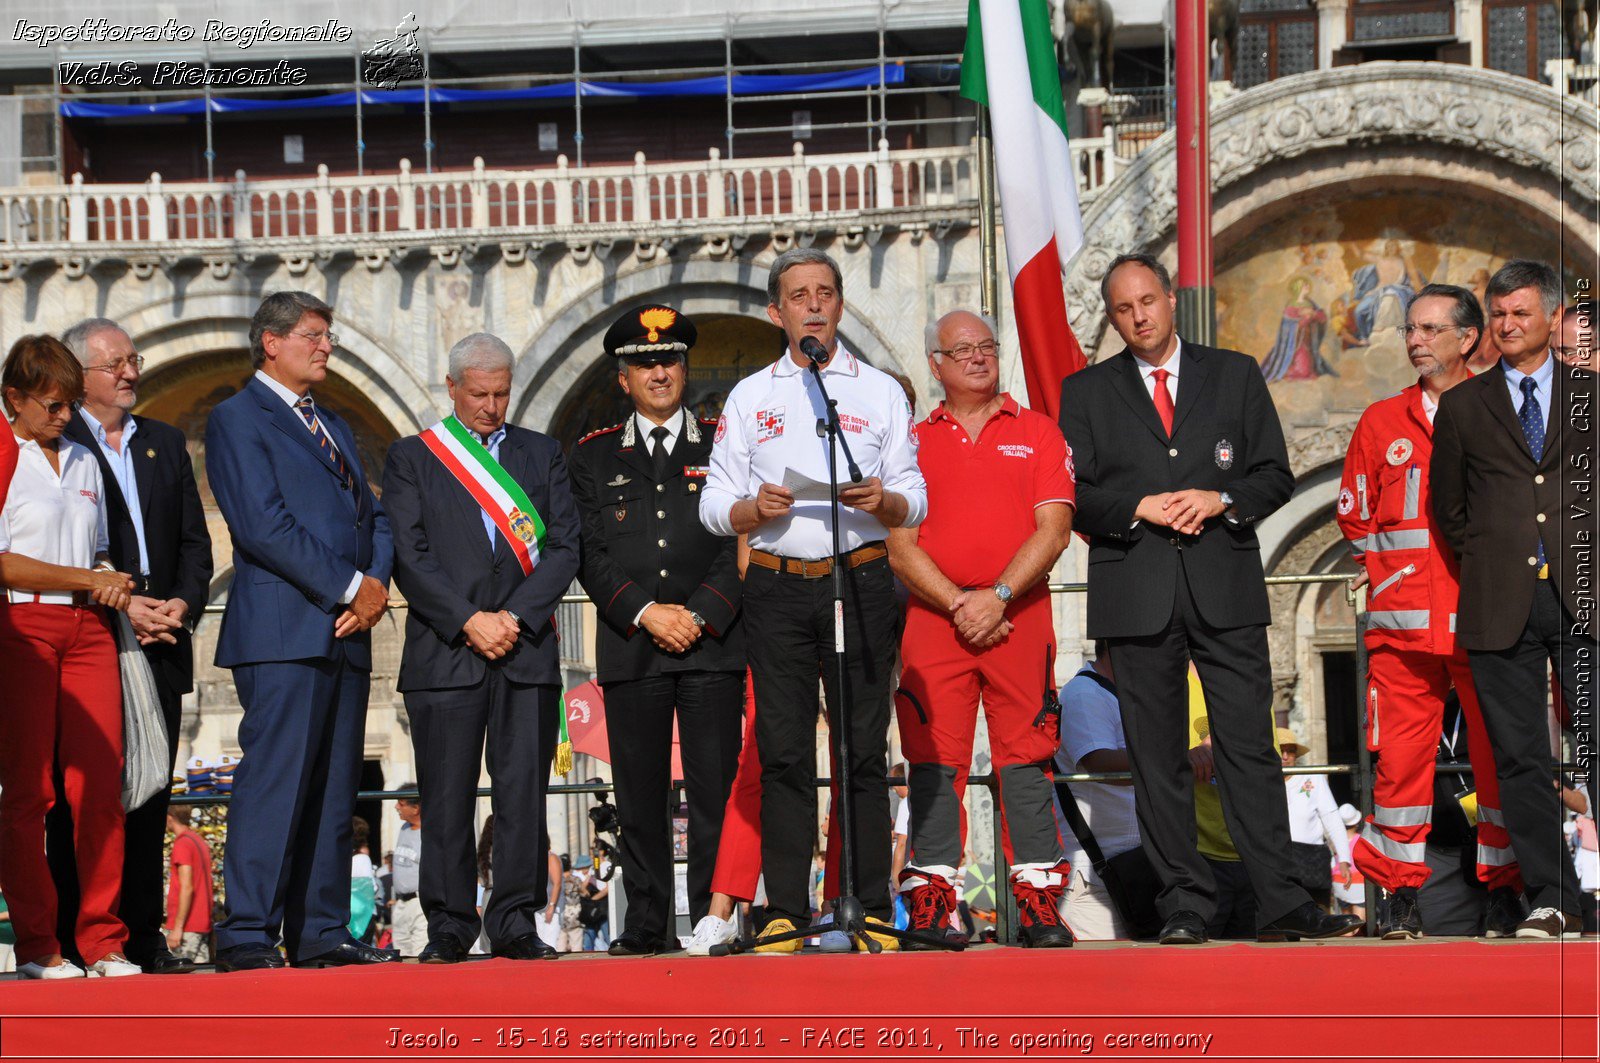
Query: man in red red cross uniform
column 1386, row 513
column 1000, row 499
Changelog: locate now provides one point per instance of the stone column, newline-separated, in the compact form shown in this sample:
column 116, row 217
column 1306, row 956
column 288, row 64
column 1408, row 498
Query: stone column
column 1469, row 27
column 1332, row 25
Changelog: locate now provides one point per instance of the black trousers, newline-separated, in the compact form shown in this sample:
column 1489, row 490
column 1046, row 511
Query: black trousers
column 639, row 713
column 1235, row 674
column 790, row 638
column 144, row 898
column 1514, row 694
column 448, row 732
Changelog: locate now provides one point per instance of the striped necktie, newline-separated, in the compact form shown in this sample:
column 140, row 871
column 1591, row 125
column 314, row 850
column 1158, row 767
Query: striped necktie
column 308, row 413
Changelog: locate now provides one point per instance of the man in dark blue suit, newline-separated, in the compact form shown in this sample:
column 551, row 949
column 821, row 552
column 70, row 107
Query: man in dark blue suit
column 311, row 559
column 486, row 543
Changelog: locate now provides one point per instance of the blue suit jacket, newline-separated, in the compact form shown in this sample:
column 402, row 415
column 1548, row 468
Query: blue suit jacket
column 298, row 534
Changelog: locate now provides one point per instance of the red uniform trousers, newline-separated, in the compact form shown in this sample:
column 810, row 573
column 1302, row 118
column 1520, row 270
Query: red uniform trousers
column 1405, row 705
column 63, row 706
column 739, row 851
column 937, row 707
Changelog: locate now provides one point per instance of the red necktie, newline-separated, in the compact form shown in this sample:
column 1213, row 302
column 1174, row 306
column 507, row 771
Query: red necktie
column 1163, row 400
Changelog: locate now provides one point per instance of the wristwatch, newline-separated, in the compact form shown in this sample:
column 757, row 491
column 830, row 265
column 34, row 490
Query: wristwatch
column 1226, row 499
column 1002, row 592
column 699, row 620
column 514, row 617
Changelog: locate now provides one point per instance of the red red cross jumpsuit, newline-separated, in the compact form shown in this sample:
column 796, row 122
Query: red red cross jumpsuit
column 1412, row 657
column 982, row 495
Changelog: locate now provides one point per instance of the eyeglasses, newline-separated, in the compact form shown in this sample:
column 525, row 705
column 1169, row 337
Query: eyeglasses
column 55, row 409
column 318, row 337
column 1429, row 332
column 133, row 361
column 962, row 353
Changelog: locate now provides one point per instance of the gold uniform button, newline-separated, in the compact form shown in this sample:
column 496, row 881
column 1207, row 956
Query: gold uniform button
column 1533, row 561
column 1172, row 453
column 661, row 514
column 1539, row 479
column 663, row 573
column 660, row 488
column 1540, row 518
column 661, row 542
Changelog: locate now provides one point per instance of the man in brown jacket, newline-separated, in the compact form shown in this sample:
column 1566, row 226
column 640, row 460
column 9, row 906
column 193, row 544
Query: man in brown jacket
column 1513, row 491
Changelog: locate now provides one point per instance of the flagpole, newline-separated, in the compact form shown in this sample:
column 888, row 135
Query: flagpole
column 989, row 269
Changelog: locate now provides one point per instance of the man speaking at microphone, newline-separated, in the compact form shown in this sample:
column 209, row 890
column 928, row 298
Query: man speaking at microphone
column 770, row 432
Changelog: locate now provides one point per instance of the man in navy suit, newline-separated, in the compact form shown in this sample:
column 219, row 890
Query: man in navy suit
column 311, row 561
column 486, row 543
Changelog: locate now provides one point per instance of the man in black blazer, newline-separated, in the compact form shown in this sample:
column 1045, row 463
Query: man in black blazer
column 486, row 543
column 158, row 533
column 1170, row 489
column 667, row 592
column 1513, row 490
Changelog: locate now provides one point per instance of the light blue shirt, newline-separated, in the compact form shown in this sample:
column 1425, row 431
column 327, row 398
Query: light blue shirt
column 1543, row 379
column 492, row 445
column 122, row 471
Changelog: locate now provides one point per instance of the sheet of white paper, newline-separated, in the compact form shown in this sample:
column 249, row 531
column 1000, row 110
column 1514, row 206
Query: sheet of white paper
column 804, row 488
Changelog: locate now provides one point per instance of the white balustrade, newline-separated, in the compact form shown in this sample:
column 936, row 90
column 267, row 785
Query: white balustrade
column 645, row 197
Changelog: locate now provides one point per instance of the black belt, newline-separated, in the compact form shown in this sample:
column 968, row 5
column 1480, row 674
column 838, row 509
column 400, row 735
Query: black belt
column 405, row 896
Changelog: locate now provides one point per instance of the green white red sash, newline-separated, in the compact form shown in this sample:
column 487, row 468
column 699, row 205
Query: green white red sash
column 491, row 487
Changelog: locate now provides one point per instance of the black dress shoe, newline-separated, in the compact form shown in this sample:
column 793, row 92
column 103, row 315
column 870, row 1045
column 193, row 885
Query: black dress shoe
column 635, row 943
column 443, row 950
column 526, row 947
column 249, row 957
column 1308, row 921
column 1184, row 928
column 166, row 962
column 350, row 953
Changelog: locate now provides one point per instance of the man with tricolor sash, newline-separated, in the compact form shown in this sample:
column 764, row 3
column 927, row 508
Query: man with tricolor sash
column 486, row 543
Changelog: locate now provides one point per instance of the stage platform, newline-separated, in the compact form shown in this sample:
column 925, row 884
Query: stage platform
column 1342, row 1000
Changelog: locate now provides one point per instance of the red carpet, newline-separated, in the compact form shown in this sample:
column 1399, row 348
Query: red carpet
column 1454, row 1000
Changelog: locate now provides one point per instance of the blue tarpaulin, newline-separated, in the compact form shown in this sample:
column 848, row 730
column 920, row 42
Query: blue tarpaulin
column 716, row 85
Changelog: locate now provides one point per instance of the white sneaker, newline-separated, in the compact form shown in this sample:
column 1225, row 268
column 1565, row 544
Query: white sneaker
column 114, row 966
column 64, row 969
column 711, row 931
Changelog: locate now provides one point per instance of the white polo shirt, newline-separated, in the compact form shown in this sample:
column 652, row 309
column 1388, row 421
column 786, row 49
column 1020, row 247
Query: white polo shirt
column 60, row 520
column 769, row 426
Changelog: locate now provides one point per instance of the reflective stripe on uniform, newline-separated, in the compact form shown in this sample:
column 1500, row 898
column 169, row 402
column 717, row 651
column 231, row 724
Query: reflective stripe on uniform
column 1402, row 816
column 1413, row 493
column 1399, row 619
column 1404, row 852
column 1491, row 815
column 1489, row 856
column 1405, row 539
column 1452, row 623
column 1361, row 489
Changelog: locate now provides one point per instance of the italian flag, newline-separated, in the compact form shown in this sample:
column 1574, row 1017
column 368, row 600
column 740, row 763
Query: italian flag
column 1010, row 67
column 491, row 487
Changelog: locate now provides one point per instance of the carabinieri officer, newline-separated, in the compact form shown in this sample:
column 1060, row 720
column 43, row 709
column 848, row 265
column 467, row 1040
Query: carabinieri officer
column 667, row 592
column 769, row 428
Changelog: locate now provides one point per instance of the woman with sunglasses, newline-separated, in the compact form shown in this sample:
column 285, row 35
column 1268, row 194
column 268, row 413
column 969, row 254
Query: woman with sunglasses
column 63, row 706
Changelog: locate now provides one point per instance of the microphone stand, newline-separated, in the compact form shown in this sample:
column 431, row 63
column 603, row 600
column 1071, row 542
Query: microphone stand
column 849, row 917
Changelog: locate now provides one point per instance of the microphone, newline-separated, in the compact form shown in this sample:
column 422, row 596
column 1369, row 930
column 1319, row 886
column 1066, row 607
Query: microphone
column 813, row 350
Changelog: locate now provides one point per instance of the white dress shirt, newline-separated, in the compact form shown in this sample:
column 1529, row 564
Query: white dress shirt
column 769, row 426
column 1430, row 408
column 290, row 398
column 60, row 520
column 121, row 463
column 1543, row 379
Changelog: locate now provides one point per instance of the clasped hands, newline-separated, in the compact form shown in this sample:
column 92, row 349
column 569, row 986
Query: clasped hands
column 155, row 620
column 491, row 635
column 672, row 627
column 980, row 617
column 371, row 599
column 1185, row 512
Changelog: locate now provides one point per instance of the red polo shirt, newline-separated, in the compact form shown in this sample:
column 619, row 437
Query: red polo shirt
column 981, row 496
